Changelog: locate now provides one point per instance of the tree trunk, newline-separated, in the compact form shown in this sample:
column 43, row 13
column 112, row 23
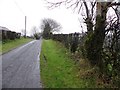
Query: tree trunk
column 95, row 39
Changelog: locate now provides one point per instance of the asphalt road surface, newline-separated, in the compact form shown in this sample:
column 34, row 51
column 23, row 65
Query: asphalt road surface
column 21, row 68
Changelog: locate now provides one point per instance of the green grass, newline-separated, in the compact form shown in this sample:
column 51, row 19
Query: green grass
column 10, row 44
column 58, row 70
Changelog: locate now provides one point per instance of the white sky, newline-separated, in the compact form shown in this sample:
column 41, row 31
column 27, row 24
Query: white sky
column 12, row 14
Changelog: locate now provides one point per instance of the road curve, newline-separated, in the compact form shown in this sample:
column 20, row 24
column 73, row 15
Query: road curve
column 20, row 67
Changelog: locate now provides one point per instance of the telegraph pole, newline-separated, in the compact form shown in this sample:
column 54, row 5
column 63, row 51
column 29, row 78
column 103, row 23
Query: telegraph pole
column 25, row 25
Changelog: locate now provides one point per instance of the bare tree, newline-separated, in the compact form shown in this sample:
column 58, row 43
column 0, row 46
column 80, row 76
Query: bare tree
column 35, row 32
column 49, row 26
column 94, row 15
column 54, row 26
column 98, row 28
column 111, row 47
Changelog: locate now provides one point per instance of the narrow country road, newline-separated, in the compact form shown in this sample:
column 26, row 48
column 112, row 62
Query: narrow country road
column 21, row 68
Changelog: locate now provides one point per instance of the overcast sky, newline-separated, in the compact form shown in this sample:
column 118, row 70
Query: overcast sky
column 12, row 14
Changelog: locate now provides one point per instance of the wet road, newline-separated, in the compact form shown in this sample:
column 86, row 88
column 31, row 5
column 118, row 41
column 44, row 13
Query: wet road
column 20, row 67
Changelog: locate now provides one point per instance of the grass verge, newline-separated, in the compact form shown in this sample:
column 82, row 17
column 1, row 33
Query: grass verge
column 11, row 44
column 58, row 70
